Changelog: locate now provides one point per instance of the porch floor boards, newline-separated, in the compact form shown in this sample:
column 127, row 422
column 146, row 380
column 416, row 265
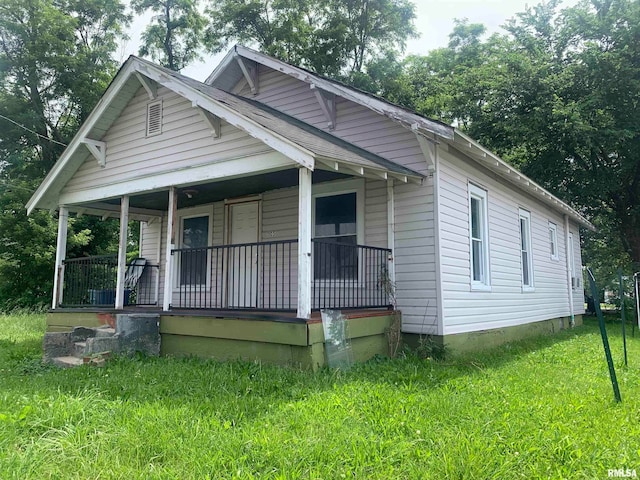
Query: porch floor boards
column 288, row 317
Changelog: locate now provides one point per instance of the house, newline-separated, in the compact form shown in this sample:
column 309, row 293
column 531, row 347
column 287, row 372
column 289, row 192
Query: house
column 267, row 193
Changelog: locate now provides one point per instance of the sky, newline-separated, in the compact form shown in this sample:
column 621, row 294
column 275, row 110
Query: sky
column 434, row 22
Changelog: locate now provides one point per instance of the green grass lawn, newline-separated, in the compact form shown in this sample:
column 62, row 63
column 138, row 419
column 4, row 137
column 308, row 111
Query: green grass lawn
column 537, row 409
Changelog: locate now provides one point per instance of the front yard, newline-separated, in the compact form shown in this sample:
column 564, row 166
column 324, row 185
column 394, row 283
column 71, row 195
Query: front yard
column 537, row 409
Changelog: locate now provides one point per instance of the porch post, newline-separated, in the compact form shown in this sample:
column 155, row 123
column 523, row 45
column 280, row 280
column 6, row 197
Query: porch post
column 171, row 242
column 391, row 228
column 304, row 243
column 61, row 250
column 122, row 251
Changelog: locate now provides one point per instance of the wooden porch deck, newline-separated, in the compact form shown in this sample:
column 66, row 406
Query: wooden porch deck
column 286, row 317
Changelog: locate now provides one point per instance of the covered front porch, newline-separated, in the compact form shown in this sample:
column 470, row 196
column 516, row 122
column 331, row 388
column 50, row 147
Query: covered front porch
column 218, row 247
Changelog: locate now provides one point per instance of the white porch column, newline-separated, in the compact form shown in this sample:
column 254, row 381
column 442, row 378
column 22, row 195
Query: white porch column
column 304, row 243
column 122, row 251
column 171, row 242
column 391, row 229
column 61, row 250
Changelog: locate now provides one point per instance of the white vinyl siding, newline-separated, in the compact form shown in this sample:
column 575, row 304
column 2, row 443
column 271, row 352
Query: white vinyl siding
column 526, row 253
column 186, row 142
column 414, row 255
column 553, row 241
column 505, row 305
column 479, row 239
column 355, row 123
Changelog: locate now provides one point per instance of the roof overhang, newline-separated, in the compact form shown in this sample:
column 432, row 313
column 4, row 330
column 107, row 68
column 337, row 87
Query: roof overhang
column 149, row 76
column 394, row 112
column 495, row 164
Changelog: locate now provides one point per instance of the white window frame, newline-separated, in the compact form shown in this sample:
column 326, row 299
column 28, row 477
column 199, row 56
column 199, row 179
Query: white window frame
column 181, row 215
column 150, row 105
column 526, row 216
column 553, row 241
column 481, row 195
column 330, row 189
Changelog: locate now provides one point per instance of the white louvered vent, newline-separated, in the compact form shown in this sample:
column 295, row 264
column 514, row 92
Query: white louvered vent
column 154, row 118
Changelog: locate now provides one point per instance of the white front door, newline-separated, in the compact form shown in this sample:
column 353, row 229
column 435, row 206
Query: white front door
column 243, row 265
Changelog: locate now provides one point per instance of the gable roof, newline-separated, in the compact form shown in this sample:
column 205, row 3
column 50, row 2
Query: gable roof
column 228, row 73
column 302, row 143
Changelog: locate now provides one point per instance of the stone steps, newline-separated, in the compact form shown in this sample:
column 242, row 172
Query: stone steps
column 90, row 345
column 67, row 362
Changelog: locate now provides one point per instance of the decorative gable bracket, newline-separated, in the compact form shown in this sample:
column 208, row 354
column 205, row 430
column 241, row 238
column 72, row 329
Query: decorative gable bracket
column 148, row 85
column 98, row 149
column 250, row 71
column 327, row 103
column 210, row 119
column 428, row 147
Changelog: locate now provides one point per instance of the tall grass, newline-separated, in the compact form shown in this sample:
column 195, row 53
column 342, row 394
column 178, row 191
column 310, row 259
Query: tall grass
column 536, row 409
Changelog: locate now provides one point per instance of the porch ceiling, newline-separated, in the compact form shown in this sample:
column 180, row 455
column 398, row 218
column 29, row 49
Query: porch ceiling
column 218, row 191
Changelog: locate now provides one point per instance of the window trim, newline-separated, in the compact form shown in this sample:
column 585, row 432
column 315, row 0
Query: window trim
column 553, row 240
column 330, row 189
column 181, row 215
column 526, row 215
column 482, row 195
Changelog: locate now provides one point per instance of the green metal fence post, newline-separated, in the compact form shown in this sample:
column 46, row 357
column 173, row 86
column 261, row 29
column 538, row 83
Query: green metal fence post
column 622, row 316
column 605, row 339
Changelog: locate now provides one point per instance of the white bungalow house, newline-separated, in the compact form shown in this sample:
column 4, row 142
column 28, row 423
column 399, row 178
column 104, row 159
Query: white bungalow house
column 267, row 193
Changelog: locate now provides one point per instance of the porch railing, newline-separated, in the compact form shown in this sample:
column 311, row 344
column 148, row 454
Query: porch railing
column 264, row 276
column 91, row 281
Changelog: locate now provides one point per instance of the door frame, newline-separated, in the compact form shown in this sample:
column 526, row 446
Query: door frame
column 228, row 204
column 185, row 213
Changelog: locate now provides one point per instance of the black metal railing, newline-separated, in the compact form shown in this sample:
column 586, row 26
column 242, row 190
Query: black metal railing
column 349, row 276
column 264, row 276
column 260, row 275
column 91, row 281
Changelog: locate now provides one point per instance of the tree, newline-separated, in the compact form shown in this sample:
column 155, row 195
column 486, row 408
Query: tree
column 331, row 37
column 557, row 97
column 55, row 62
column 174, row 37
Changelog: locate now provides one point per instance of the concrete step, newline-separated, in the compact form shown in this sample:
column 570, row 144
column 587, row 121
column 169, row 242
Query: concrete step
column 67, row 362
column 105, row 332
column 79, row 349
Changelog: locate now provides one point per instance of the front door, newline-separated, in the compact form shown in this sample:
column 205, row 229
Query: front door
column 242, row 274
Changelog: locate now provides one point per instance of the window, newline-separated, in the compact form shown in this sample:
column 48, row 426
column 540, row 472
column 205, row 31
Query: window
column 195, row 237
column 154, row 118
column 553, row 241
column 338, row 227
column 478, row 238
column 525, row 250
column 336, row 254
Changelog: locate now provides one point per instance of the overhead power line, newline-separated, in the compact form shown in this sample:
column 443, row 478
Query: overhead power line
column 31, row 131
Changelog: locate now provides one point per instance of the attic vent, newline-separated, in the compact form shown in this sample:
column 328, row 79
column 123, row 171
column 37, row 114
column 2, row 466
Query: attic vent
column 154, row 118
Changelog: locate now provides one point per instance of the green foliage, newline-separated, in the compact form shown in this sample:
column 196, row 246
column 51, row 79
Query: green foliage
column 536, row 409
column 556, row 96
column 175, row 35
column 331, row 37
column 55, row 62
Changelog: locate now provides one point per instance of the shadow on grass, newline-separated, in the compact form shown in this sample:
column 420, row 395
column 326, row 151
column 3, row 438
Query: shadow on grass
column 478, row 363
